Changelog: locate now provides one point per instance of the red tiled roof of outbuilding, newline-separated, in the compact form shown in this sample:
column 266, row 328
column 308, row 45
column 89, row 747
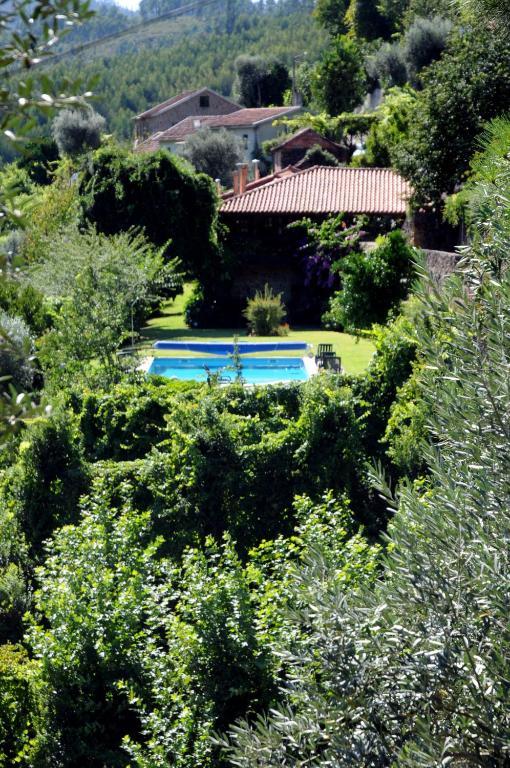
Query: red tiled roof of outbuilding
column 323, row 190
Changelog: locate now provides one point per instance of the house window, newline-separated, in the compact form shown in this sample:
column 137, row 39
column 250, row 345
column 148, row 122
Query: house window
column 204, row 102
column 245, row 140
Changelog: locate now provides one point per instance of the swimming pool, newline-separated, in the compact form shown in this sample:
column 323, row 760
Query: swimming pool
column 260, row 370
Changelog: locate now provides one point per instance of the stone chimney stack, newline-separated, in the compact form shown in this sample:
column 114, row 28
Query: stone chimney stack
column 236, row 182
column 243, row 177
column 256, row 169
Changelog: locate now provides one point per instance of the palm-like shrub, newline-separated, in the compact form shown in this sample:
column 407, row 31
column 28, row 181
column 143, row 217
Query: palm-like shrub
column 265, row 313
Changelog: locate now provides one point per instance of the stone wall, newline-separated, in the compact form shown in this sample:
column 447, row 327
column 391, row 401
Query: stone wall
column 440, row 264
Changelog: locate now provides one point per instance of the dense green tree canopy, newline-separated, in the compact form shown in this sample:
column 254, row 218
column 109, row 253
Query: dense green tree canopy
column 468, row 86
column 260, row 81
column 155, row 192
column 340, row 80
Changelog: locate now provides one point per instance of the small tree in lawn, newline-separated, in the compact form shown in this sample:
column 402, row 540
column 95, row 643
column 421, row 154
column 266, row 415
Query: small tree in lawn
column 77, row 131
column 215, row 153
column 265, row 313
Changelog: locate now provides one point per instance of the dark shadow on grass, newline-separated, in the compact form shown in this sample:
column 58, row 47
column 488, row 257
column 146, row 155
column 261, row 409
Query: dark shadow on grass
column 155, row 333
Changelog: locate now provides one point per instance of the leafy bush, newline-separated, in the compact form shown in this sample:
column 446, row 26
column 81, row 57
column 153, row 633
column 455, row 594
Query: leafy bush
column 396, row 348
column 93, row 594
column 206, row 664
column 76, row 131
column 128, row 420
column 406, row 431
column 24, row 301
column 373, row 283
column 214, row 152
column 390, row 128
column 43, row 487
column 22, row 710
column 265, row 313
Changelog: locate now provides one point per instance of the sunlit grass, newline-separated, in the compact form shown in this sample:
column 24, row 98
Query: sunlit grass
column 355, row 352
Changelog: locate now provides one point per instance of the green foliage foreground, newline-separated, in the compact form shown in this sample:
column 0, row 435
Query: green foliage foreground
column 158, row 608
column 415, row 671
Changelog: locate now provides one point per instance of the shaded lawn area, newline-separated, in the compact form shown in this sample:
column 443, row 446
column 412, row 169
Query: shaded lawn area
column 355, row 352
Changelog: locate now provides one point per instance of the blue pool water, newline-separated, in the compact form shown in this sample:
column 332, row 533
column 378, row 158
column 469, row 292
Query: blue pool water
column 261, row 370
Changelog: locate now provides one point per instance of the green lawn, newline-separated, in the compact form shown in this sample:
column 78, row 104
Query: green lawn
column 355, row 352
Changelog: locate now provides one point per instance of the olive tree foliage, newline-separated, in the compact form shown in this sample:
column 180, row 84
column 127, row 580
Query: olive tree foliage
column 214, row 152
column 423, row 43
column 29, row 31
column 16, row 366
column 415, row 672
column 76, row 131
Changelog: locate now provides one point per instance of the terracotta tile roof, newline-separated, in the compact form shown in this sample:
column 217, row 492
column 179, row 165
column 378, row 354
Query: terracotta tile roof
column 148, row 145
column 322, row 190
column 242, row 118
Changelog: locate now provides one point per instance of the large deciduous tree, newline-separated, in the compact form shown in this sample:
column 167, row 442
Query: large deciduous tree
column 469, row 85
column 160, row 194
column 260, row 81
column 340, row 80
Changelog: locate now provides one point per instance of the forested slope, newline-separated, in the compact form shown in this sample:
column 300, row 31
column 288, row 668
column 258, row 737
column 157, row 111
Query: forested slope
column 164, row 58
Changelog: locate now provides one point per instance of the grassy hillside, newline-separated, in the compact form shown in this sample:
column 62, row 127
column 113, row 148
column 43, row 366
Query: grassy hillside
column 154, row 62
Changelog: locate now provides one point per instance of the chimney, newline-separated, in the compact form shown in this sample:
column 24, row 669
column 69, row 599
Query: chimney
column 219, row 188
column 243, row 176
column 236, row 182
column 256, row 170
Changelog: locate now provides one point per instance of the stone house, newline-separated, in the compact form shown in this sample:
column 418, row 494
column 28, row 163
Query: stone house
column 253, row 126
column 199, row 103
